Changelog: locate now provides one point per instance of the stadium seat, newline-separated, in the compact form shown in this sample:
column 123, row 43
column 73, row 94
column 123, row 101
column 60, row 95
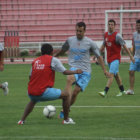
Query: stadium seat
column 39, row 20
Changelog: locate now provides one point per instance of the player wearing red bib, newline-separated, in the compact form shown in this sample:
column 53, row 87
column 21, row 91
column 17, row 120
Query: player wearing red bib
column 40, row 86
column 113, row 42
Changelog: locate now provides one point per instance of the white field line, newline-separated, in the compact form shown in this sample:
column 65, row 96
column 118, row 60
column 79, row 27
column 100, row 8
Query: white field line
column 98, row 106
column 65, row 138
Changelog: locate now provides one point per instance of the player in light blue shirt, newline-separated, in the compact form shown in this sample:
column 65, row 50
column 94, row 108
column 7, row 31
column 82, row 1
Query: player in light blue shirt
column 136, row 52
column 79, row 48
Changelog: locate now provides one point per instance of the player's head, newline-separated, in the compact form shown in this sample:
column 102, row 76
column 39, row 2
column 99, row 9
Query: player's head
column 46, row 49
column 80, row 29
column 138, row 25
column 111, row 25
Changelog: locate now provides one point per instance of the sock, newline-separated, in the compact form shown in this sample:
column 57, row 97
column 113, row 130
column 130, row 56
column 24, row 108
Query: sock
column 121, row 88
column 106, row 89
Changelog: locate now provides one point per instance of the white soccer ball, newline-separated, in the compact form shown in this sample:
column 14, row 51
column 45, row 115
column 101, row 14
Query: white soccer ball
column 49, row 111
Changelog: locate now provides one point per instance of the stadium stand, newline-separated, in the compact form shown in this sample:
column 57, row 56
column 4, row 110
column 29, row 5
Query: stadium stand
column 54, row 20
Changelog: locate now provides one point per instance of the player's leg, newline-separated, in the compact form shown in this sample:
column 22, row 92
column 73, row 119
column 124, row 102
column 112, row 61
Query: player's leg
column 68, row 88
column 133, row 67
column 82, row 81
column 113, row 69
column 110, row 80
column 27, row 111
column 54, row 94
column 118, row 79
column 70, row 80
column 120, row 85
column 4, row 86
column 65, row 103
column 130, row 91
column 49, row 94
column 72, row 98
column 66, row 107
column 76, row 91
column 131, row 79
column 108, row 84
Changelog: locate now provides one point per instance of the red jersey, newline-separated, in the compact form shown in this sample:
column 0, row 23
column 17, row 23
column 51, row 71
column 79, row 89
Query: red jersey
column 42, row 75
column 113, row 49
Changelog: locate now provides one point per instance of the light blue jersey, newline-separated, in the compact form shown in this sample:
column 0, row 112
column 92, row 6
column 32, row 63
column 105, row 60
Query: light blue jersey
column 79, row 52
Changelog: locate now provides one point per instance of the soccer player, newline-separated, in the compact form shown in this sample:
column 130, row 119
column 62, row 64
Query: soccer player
column 79, row 47
column 113, row 42
column 4, row 85
column 136, row 52
column 42, row 77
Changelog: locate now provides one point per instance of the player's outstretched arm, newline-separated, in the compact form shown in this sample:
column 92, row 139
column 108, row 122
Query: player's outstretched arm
column 64, row 48
column 102, row 48
column 131, row 57
column 58, row 53
column 69, row 72
column 100, row 60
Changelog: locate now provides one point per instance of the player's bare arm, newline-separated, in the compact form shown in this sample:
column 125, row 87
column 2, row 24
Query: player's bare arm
column 102, row 48
column 100, row 60
column 133, row 47
column 59, row 53
column 69, row 72
column 130, row 55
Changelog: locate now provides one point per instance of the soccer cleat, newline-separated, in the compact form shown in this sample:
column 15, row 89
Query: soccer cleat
column 69, row 121
column 5, row 88
column 103, row 94
column 129, row 92
column 61, row 115
column 20, row 122
column 121, row 93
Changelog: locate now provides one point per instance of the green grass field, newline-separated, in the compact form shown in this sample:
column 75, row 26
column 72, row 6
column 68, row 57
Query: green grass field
column 97, row 118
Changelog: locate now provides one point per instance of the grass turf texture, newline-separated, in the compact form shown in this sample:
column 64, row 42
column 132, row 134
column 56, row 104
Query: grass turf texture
column 114, row 121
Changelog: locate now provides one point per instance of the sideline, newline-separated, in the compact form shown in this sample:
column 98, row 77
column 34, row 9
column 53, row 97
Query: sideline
column 66, row 138
column 97, row 106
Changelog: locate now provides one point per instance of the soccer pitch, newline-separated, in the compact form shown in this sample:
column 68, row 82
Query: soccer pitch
column 97, row 118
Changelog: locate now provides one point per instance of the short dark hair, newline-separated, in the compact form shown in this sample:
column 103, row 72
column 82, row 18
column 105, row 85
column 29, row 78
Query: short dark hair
column 46, row 49
column 138, row 21
column 81, row 24
column 112, row 20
